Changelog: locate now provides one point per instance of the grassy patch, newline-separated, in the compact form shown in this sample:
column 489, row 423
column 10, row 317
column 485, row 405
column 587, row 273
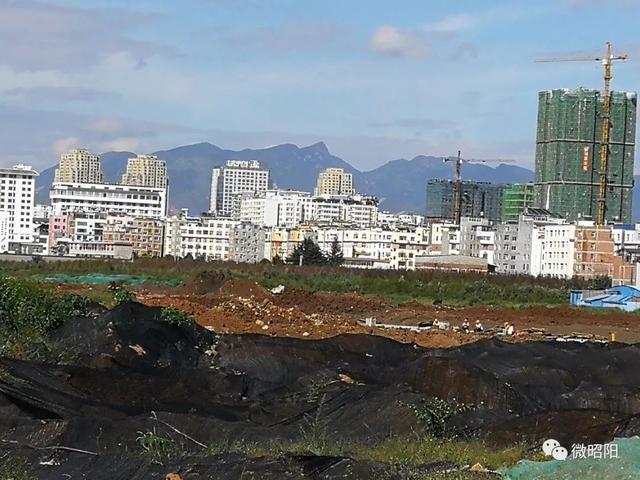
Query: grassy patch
column 28, row 312
column 158, row 448
column 12, row 468
column 175, row 316
column 423, row 450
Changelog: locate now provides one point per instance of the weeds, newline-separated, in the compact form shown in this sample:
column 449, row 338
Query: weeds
column 451, row 288
column 436, row 411
column 14, row 469
column 29, row 312
column 123, row 295
column 175, row 316
column 158, row 448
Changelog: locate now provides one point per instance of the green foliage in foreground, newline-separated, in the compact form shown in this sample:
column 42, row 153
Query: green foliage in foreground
column 12, row 468
column 175, row 316
column 28, row 312
column 400, row 451
column 158, row 448
column 418, row 286
column 123, row 295
column 436, row 411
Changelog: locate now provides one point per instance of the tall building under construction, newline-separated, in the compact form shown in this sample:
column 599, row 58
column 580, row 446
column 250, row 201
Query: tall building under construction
column 568, row 153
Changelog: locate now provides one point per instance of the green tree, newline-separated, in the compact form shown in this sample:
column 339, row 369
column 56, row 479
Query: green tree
column 335, row 256
column 310, row 253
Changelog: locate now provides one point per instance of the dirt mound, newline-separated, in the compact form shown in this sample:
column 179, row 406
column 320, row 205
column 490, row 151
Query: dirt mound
column 244, row 289
column 205, row 282
column 320, row 302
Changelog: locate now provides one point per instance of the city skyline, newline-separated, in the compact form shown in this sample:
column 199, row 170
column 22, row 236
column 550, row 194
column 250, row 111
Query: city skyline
column 374, row 85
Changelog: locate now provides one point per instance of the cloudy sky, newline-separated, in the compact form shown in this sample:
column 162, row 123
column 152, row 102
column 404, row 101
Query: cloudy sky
column 376, row 80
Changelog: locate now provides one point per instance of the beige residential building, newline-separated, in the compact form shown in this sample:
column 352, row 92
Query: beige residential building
column 146, row 171
column 144, row 235
column 79, row 166
column 334, row 181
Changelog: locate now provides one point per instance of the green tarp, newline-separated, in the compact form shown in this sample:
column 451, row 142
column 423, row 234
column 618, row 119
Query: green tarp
column 103, row 279
column 625, row 467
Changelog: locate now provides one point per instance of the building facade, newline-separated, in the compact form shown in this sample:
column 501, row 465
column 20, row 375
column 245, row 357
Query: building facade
column 136, row 201
column 232, row 180
column 567, row 165
column 17, row 200
column 334, row 181
column 79, row 166
column 478, row 199
column 206, row 238
column 515, row 199
column 146, row 171
column 143, row 235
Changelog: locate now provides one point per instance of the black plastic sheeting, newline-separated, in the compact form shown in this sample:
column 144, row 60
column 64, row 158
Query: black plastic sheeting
column 108, row 374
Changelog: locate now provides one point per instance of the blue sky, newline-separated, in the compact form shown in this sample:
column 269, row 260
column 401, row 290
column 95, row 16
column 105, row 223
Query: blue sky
column 376, row 80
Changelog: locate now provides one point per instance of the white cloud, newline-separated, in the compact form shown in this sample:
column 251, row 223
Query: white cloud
column 39, row 36
column 65, row 144
column 393, row 41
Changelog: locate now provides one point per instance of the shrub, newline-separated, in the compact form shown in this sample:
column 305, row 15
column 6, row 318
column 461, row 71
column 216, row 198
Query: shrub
column 175, row 316
column 436, row 411
column 158, row 448
column 122, row 295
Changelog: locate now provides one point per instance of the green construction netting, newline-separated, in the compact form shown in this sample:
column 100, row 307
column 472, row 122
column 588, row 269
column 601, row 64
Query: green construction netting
column 625, row 467
column 105, row 279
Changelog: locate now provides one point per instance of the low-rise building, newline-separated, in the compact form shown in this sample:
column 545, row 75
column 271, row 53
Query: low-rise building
column 143, row 235
column 148, row 202
column 206, row 238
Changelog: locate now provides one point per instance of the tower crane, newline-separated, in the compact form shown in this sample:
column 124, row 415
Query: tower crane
column 457, row 193
column 607, row 63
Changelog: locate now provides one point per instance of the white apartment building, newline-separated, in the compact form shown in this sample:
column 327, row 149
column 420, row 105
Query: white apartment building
column 541, row 243
column 393, row 220
column 274, row 208
column 406, row 245
column 477, row 238
column 232, row 180
column 4, row 231
column 360, row 247
column 557, row 251
column 334, row 181
column 357, row 209
column 207, row 238
column 146, row 171
column 17, row 199
column 79, row 166
column 136, row 201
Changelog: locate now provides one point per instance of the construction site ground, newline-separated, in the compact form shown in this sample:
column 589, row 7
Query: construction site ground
column 234, row 306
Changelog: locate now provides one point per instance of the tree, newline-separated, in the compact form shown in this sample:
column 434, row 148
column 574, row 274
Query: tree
column 310, row 253
column 335, row 257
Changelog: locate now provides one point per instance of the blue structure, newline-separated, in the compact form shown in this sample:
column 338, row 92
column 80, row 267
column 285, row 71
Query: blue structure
column 624, row 297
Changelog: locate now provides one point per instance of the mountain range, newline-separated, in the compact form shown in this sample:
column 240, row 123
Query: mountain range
column 399, row 184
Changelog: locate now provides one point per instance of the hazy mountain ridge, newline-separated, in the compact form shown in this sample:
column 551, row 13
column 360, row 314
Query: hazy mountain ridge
column 400, row 184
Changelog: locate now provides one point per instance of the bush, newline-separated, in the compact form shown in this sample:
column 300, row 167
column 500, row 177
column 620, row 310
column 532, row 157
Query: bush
column 436, row 411
column 122, row 295
column 158, row 448
column 175, row 316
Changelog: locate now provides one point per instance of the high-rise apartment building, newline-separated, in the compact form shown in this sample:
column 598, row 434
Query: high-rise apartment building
column 79, row 166
column 146, row 171
column 568, row 153
column 228, row 183
column 478, row 199
column 334, row 181
column 515, row 199
column 17, row 201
